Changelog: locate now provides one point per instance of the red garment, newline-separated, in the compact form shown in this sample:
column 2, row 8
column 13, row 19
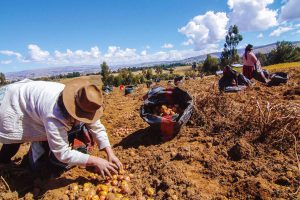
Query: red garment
column 248, row 71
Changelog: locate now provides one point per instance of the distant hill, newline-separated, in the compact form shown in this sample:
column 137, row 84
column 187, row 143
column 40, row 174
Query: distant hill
column 53, row 71
column 86, row 69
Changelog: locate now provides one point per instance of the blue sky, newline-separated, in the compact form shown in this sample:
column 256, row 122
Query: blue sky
column 37, row 34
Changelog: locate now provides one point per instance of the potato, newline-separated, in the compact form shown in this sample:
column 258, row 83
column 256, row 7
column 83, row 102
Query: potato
column 102, row 198
column 150, row 191
column 74, row 188
column 64, row 197
column 95, row 197
column 86, row 189
column 102, row 187
column 114, row 183
column 119, row 195
column 109, row 188
column 110, row 196
column 103, row 193
column 122, row 172
column 92, row 192
column 87, row 185
column 131, row 176
column 72, row 196
column 132, row 153
column 124, row 183
column 115, row 177
column 125, row 189
column 127, row 178
column 115, row 190
column 67, row 192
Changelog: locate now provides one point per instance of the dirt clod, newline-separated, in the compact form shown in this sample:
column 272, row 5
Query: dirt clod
column 241, row 150
column 283, row 181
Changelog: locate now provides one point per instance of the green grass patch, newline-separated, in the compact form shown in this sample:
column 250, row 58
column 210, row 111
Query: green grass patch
column 282, row 66
column 275, row 67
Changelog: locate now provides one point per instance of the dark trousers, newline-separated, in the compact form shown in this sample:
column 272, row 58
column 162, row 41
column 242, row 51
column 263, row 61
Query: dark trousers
column 8, row 151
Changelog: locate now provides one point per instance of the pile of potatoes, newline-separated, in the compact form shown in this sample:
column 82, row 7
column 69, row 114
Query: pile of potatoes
column 167, row 110
column 113, row 188
column 121, row 132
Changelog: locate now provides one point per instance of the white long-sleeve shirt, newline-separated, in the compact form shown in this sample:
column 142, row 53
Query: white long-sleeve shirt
column 29, row 112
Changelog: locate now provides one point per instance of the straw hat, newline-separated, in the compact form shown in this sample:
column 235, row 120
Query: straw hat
column 83, row 100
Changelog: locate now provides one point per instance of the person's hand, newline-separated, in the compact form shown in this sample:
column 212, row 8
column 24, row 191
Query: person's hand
column 102, row 166
column 113, row 158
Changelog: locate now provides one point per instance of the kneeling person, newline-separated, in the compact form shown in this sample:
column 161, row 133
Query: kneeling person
column 34, row 111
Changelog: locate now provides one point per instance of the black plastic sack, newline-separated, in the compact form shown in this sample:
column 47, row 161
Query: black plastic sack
column 259, row 75
column 129, row 89
column 167, row 127
column 278, row 78
column 108, row 88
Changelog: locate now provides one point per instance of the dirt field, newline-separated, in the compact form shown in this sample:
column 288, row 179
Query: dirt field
column 236, row 146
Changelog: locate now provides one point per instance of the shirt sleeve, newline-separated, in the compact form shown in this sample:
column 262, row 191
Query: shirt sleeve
column 58, row 142
column 99, row 134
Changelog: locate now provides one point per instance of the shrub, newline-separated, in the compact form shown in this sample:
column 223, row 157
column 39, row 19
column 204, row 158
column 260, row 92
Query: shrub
column 210, row 65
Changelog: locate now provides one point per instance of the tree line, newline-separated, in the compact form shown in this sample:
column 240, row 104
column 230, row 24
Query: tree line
column 126, row 76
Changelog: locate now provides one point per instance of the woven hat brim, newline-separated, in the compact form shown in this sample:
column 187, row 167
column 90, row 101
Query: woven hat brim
column 69, row 93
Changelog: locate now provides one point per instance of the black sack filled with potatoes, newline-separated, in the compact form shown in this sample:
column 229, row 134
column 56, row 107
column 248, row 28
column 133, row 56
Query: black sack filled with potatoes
column 167, row 110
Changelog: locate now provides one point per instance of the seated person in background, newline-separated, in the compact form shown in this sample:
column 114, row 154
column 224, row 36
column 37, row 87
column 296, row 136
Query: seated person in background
column 232, row 78
column 249, row 62
column 36, row 111
column 251, row 65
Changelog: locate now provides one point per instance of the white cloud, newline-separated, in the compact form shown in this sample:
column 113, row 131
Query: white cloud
column 147, row 47
column 261, row 35
column 167, row 46
column 144, row 53
column 188, row 42
column 11, row 53
column 277, row 32
column 252, row 15
column 114, row 55
column 290, row 10
column 77, row 56
column 205, row 30
column 298, row 32
column 6, row 62
column 172, row 55
column 36, row 54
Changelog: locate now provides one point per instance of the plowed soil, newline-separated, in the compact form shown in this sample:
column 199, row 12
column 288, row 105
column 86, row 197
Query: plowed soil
column 235, row 146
